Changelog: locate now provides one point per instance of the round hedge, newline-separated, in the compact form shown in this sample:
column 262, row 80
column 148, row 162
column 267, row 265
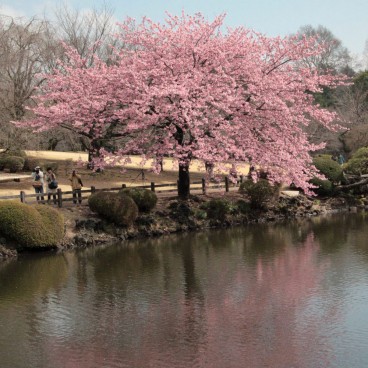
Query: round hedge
column 2, row 162
column 217, row 209
column 259, row 193
column 53, row 222
column 145, row 199
column 30, row 226
column 16, row 152
column 324, row 187
column 245, row 185
column 13, row 163
column 328, row 167
column 358, row 164
column 117, row 208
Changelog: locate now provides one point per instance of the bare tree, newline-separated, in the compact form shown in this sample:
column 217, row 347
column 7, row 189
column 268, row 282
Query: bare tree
column 336, row 56
column 352, row 106
column 90, row 33
column 27, row 50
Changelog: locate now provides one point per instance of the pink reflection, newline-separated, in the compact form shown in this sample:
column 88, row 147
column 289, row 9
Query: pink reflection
column 266, row 315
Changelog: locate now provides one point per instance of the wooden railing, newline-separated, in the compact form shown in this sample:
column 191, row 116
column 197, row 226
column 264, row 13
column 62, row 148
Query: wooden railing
column 69, row 196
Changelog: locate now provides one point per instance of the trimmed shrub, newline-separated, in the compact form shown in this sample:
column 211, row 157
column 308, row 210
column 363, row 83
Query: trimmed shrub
column 117, row 208
column 16, row 152
column 13, row 163
column 26, row 226
column 53, row 222
column 145, row 199
column 2, row 162
column 259, row 193
column 325, row 187
column 328, row 167
column 245, row 185
column 4, row 159
column 100, row 202
column 181, row 212
column 331, row 170
column 217, row 209
column 358, row 164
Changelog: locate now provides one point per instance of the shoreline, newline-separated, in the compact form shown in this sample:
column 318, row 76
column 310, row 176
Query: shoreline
column 83, row 228
column 175, row 216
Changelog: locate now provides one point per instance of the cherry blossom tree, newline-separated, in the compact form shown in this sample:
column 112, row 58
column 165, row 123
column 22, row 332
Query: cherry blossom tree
column 79, row 97
column 188, row 89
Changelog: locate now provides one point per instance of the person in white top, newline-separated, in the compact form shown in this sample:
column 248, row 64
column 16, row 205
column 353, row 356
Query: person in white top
column 37, row 176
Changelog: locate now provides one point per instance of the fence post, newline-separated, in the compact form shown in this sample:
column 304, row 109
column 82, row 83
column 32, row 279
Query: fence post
column 203, row 185
column 123, row 186
column 152, row 186
column 22, row 196
column 226, row 183
column 60, row 198
column 93, row 189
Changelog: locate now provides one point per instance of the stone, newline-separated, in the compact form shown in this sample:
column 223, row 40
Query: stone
column 89, row 224
column 6, row 253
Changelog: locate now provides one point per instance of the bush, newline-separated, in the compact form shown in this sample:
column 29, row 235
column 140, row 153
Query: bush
column 259, row 193
column 245, row 185
column 331, row 170
column 217, row 209
column 324, row 187
column 117, row 208
column 28, row 227
column 181, row 212
column 13, row 163
column 53, row 221
column 2, row 162
column 328, row 167
column 358, row 164
column 15, row 152
column 145, row 199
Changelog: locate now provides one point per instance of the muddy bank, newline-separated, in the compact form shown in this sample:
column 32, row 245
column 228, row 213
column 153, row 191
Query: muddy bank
column 6, row 252
column 84, row 228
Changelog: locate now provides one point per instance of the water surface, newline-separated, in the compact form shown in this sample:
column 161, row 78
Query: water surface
column 279, row 295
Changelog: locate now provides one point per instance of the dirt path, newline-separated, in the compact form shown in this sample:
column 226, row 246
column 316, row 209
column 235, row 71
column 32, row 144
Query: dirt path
column 135, row 162
column 111, row 177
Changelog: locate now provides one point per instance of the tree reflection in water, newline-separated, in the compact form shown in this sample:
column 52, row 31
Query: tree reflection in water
column 260, row 296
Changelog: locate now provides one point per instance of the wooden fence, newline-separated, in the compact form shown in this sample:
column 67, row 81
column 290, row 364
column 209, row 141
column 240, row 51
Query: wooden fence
column 75, row 196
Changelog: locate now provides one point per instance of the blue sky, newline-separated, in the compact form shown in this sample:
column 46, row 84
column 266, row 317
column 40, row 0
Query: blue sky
column 347, row 20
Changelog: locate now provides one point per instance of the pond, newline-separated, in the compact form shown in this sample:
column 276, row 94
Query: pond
column 276, row 295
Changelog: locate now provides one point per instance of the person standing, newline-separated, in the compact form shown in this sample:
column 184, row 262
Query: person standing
column 51, row 185
column 76, row 183
column 38, row 182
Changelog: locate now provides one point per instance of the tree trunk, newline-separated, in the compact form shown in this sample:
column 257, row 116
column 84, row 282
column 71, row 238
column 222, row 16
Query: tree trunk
column 184, row 182
column 353, row 185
